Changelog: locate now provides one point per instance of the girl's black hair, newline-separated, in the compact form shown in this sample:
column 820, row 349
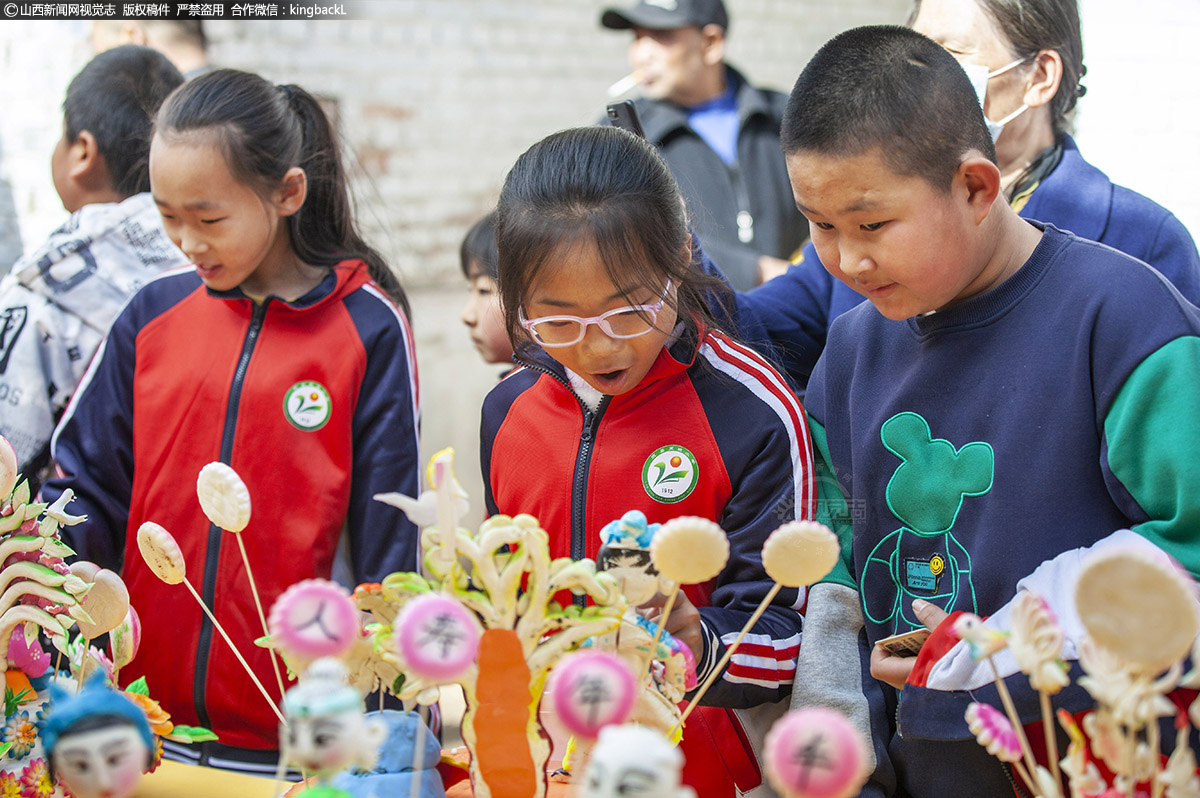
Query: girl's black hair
column 479, row 249
column 606, row 186
column 263, row 130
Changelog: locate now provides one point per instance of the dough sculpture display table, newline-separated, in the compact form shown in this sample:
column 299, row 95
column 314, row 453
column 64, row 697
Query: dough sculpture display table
column 177, row 780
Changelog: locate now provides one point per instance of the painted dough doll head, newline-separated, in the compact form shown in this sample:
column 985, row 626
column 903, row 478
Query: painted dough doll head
column 326, row 731
column 630, row 761
column 625, row 555
column 98, row 743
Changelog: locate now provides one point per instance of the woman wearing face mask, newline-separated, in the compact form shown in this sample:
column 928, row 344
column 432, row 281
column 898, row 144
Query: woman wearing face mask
column 1025, row 57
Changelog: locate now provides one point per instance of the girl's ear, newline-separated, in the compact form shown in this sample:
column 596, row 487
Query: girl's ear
column 293, row 190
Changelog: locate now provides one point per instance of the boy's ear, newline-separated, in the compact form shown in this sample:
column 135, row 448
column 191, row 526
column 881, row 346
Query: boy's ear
column 979, row 179
column 1047, row 75
column 293, row 190
column 86, row 165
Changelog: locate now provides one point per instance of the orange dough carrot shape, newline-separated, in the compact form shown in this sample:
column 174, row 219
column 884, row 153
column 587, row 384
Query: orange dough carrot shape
column 502, row 715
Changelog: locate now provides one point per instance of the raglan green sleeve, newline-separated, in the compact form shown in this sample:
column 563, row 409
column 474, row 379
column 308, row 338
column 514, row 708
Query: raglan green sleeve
column 1152, row 449
column 832, row 508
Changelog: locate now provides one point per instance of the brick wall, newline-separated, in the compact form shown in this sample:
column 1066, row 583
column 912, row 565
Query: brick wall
column 435, row 99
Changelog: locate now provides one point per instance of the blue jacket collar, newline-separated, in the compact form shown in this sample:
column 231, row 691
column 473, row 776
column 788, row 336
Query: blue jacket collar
column 1076, row 195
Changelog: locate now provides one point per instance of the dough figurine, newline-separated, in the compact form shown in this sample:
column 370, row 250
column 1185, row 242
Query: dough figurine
column 629, row 761
column 625, row 556
column 98, row 743
column 326, row 732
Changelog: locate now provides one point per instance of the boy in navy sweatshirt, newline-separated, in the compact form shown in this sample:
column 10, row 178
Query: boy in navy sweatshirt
column 1010, row 395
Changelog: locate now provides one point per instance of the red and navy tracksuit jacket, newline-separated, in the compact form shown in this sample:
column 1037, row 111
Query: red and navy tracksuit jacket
column 313, row 402
column 713, row 431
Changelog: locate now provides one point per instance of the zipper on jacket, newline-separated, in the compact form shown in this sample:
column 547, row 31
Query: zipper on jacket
column 583, row 462
column 745, row 219
column 212, row 555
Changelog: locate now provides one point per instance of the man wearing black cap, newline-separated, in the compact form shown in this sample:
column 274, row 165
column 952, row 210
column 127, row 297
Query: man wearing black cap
column 718, row 134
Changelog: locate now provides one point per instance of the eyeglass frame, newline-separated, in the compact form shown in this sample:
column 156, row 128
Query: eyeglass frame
column 600, row 321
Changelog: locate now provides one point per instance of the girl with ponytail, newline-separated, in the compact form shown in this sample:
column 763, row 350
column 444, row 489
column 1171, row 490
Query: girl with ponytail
column 284, row 351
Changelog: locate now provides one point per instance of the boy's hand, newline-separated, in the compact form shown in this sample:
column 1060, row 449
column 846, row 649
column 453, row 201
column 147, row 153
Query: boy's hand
column 683, row 623
column 894, row 670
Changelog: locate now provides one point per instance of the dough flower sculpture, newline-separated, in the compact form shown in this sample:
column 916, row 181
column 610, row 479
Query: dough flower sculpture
column 37, row 590
column 504, row 576
column 1131, row 653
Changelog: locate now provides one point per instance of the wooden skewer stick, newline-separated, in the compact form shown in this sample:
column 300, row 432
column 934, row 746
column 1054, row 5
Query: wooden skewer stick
column 258, row 605
column 712, row 677
column 82, row 663
column 1011, row 710
column 1051, row 739
column 418, row 755
column 236, row 653
column 662, row 625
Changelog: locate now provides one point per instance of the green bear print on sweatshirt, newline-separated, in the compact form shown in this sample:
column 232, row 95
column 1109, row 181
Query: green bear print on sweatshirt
column 922, row 558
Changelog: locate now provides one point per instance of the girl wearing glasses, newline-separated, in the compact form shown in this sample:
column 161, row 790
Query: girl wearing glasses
column 629, row 398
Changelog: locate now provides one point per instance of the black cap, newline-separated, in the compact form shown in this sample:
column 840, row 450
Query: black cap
column 667, row 14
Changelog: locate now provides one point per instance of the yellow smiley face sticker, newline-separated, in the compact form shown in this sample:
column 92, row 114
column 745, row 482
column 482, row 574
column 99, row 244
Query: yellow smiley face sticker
column 936, row 564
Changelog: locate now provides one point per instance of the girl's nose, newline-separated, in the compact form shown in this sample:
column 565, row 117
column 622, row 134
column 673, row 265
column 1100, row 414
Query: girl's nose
column 597, row 342
column 192, row 245
column 469, row 315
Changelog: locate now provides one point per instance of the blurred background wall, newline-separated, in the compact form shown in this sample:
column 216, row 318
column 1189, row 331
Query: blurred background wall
column 436, row 98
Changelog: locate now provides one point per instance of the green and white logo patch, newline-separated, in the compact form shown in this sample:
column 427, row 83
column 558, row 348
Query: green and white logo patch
column 307, row 405
column 670, row 474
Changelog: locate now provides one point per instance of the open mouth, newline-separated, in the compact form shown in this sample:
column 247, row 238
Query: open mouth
column 607, row 381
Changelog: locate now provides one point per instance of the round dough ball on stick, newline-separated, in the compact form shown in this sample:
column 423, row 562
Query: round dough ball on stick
column 8, row 469
column 161, row 553
column 225, row 500
column 165, row 560
column 688, row 550
column 816, row 753
column 224, row 497
column 438, row 639
column 592, row 689
column 796, row 554
column 1139, row 607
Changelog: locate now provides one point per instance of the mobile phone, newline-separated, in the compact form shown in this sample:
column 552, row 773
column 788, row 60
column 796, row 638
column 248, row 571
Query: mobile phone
column 624, row 115
column 906, row 644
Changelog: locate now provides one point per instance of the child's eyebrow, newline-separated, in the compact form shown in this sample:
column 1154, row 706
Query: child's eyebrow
column 858, row 206
column 562, row 303
column 199, row 205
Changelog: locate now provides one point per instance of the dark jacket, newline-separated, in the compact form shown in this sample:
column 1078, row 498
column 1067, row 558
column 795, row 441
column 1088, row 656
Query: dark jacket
column 716, row 193
column 797, row 308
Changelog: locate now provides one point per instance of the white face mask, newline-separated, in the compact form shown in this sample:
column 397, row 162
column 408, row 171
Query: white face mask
column 979, row 76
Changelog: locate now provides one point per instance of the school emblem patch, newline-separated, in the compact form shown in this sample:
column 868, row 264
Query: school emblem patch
column 307, row 405
column 670, row 474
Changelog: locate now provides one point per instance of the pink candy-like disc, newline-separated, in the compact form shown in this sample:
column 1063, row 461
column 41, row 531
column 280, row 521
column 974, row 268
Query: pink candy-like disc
column 591, row 690
column 314, row 618
column 816, row 753
column 437, row 637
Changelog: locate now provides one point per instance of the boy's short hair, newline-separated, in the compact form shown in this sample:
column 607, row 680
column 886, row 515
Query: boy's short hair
column 479, row 250
column 888, row 87
column 115, row 98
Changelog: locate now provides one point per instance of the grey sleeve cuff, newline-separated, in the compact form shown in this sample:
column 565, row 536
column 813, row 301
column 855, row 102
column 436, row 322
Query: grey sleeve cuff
column 828, row 671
